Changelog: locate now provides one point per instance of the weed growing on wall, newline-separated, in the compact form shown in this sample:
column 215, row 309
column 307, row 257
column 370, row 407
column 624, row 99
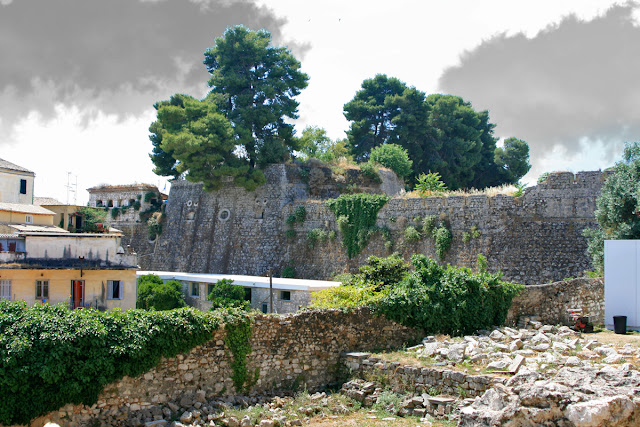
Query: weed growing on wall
column 51, row 355
column 356, row 215
column 442, row 239
column 411, row 234
column 316, row 235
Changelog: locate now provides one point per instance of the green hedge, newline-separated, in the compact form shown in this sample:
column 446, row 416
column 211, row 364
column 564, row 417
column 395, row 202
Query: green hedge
column 51, row 356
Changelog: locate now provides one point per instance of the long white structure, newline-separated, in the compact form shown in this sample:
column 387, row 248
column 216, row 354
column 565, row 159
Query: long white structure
column 287, row 295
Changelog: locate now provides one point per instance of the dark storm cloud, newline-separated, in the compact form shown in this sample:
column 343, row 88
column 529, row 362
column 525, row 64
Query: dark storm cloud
column 118, row 56
column 574, row 80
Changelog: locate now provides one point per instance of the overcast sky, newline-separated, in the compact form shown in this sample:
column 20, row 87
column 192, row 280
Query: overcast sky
column 78, row 78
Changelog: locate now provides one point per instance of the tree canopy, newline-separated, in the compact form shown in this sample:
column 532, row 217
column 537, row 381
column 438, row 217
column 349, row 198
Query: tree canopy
column 618, row 206
column 240, row 124
column 441, row 133
column 393, row 157
column 314, row 142
column 254, row 85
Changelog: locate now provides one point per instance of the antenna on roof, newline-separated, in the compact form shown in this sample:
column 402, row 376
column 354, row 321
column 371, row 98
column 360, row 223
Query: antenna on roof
column 72, row 187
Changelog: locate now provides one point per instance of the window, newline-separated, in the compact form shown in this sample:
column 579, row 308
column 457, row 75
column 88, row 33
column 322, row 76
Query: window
column 285, row 295
column 5, row 289
column 114, row 289
column 247, row 294
column 265, row 307
column 42, row 289
column 23, row 186
column 210, row 289
column 195, row 290
column 28, row 219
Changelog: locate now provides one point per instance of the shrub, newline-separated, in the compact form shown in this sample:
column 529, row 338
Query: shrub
column 315, row 235
column 288, row 272
column 428, row 224
column 51, row 356
column 225, row 294
column 155, row 294
column 356, row 215
column 115, row 212
column 429, row 183
column 154, row 225
column 383, row 272
column 442, row 237
column 92, row 220
column 345, row 297
column 394, row 157
column 475, row 233
column 448, row 300
column 290, row 234
column 411, row 234
column 370, row 171
column 300, row 214
column 366, row 287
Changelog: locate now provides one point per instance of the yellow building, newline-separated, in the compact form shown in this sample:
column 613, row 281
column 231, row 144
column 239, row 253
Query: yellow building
column 29, row 215
column 95, row 287
column 16, row 183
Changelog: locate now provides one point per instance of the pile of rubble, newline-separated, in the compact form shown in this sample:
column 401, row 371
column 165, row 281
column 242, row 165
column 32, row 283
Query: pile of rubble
column 540, row 347
column 544, row 375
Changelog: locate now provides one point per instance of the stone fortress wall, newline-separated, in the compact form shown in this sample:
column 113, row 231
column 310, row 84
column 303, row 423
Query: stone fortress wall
column 532, row 239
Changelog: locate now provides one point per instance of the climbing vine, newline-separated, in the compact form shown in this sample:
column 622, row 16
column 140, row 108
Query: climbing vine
column 356, row 215
column 238, row 325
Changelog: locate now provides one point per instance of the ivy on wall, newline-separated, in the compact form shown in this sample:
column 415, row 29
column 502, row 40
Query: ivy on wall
column 238, row 325
column 356, row 215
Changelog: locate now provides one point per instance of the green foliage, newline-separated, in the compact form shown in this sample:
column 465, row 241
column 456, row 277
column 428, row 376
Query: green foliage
column 428, row 224
column 150, row 195
column 193, row 138
column 439, row 132
column 289, row 272
column 542, row 178
column 356, row 215
column 411, row 234
column 136, row 205
column 617, row 206
column 254, row 85
column 370, row 171
column 115, row 212
column 154, row 225
column 300, row 214
column 448, row 300
column 92, row 220
column 316, row 235
column 519, row 189
column 394, row 157
column 68, row 356
column 466, row 237
column 155, row 294
column 291, row 219
column 382, row 272
column 442, row 237
column 430, row 183
column 238, row 325
column 346, row 297
column 475, row 232
column 314, row 143
column 365, row 288
column 512, row 159
column 482, row 264
column 224, row 294
column 290, row 234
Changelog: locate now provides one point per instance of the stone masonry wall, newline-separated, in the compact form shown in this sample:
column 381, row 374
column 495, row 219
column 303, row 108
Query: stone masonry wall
column 288, row 352
column 532, row 239
column 549, row 303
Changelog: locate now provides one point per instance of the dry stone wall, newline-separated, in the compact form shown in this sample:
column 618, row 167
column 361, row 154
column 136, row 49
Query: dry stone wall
column 287, row 353
column 549, row 303
column 534, row 238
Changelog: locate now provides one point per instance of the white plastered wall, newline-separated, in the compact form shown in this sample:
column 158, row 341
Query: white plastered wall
column 622, row 282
